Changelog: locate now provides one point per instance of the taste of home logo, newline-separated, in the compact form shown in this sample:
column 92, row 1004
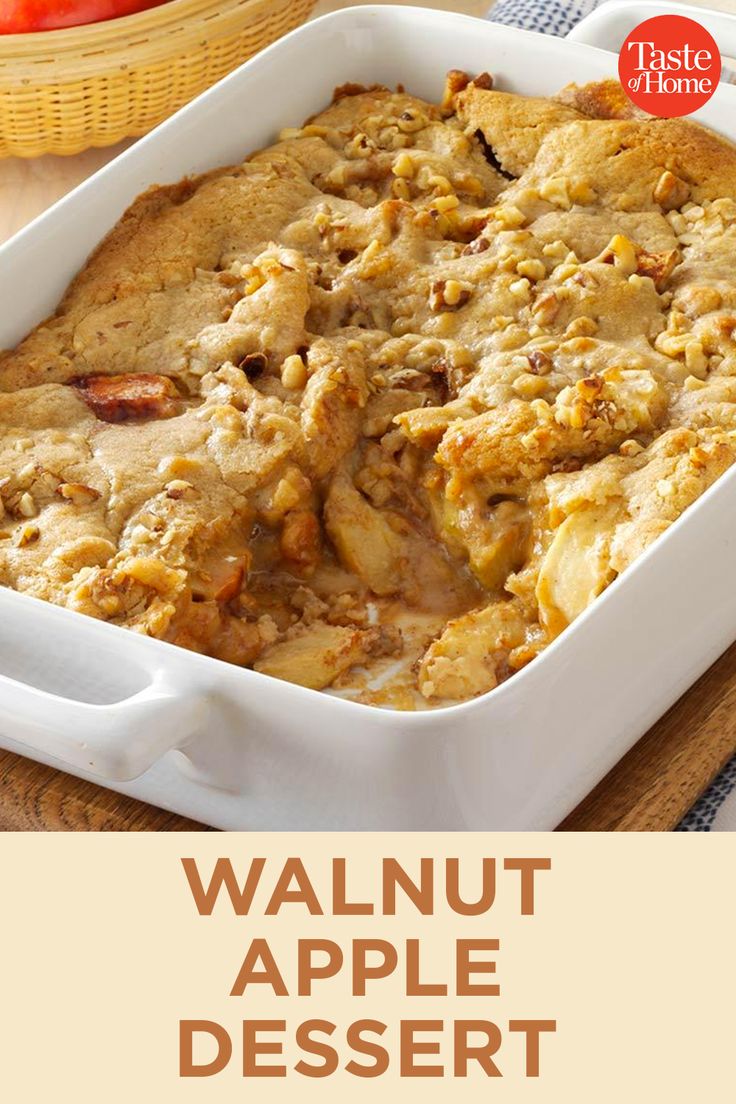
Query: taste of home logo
column 669, row 66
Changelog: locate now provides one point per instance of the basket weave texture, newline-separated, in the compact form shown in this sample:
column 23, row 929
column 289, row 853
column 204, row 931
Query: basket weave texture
column 64, row 91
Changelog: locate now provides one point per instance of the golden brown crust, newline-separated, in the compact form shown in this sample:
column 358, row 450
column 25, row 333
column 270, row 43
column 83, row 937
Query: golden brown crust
column 409, row 387
column 600, row 100
column 513, row 126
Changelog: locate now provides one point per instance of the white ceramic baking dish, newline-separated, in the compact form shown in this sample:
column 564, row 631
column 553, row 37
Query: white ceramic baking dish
column 236, row 749
column 611, row 23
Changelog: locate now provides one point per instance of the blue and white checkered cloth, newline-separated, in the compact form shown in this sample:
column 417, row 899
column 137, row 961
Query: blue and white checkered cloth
column 555, row 17
column 716, row 809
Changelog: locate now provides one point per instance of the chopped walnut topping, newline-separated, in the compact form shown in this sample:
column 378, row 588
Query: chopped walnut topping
column 403, row 166
column 26, row 506
column 78, row 493
column 27, row 534
column 339, row 463
column 531, row 268
column 477, row 245
column 539, row 362
column 620, row 252
column 178, row 488
column 410, row 121
column 448, row 295
column 546, row 308
column 670, row 192
column 657, row 266
column 455, row 81
column 509, row 217
column 294, row 373
column 632, row 259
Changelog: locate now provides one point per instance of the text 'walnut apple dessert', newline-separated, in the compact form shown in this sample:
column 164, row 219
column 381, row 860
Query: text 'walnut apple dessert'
column 385, row 407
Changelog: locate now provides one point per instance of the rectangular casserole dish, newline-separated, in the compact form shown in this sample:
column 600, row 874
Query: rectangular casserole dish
column 238, row 750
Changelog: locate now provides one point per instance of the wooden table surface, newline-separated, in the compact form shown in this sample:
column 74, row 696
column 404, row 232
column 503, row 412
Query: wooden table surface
column 649, row 790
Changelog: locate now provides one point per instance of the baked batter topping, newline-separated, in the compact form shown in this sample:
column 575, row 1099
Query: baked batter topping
column 385, row 407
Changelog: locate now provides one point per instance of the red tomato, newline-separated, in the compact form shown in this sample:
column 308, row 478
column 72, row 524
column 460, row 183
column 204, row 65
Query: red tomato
column 21, row 16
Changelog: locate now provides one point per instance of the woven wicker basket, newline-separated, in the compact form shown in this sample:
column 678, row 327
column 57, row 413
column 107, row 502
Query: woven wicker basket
column 64, row 91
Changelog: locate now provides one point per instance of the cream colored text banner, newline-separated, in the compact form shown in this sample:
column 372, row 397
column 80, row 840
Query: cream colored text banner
column 464, row 967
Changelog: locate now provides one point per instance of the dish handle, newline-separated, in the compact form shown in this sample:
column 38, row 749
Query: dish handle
column 609, row 25
column 118, row 741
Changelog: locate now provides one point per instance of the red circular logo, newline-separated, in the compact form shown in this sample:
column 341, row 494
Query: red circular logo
column 669, row 66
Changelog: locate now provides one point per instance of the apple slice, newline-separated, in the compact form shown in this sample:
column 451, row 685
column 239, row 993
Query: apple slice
column 577, row 565
column 128, row 398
